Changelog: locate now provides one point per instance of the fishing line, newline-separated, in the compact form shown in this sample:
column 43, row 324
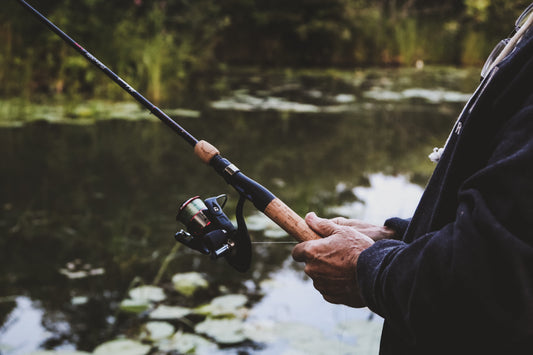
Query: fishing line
column 274, row 242
column 209, row 230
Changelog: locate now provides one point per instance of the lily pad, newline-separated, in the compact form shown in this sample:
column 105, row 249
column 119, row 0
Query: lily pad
column 59, row 352
column 188, row 283
column 261, row 331
column 154, row 331
column 227, row 305
column 77, row 269
column 147, row 293
column 169, row 312
column 122, row 347
column 223, row 331
column 79, row 300
column 134, row 306
column 185, row 343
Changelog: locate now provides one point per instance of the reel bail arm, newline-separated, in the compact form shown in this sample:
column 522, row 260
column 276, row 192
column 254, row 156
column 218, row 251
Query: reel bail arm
column 211, row 232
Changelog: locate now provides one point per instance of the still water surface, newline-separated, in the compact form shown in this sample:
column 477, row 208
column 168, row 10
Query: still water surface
column 102, row 197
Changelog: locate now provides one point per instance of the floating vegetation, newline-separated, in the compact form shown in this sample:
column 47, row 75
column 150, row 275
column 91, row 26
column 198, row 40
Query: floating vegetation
column 344, row 98
column 225, row 306
column 261, row 331
column 79, row 300
column 17, row 112
column 188, row 283
column 148, row 293
column 245, row 102
column 78, row 270
column 95, row 198
column 122, row 347
column 186, row 343
column 156, row 331
column 223, row 331
column 429, row 95
column 134, row 306
column 141, row 298
column 169, row 312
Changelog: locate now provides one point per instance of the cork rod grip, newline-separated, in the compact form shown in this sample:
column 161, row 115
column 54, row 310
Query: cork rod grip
column 290, row 221
column 276, row 210
column 205, row 151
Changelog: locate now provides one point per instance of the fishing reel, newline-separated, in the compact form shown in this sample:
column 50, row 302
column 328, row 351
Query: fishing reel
column 211, row 232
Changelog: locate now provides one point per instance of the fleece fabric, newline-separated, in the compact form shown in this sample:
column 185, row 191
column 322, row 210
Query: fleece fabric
column 460, row 280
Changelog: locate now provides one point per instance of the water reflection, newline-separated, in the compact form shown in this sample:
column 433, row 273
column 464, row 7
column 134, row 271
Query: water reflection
column 80, row 198
column 23, row 328
column 307, row 323
column 385, row 197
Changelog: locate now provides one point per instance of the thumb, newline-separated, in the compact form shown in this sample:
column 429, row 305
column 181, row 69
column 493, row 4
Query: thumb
column 324, row 227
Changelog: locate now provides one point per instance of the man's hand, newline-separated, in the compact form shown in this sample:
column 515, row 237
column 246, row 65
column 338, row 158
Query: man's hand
column 331, row 262
column 370, row 230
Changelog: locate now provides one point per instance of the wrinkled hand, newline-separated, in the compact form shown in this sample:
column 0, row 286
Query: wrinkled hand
column 370, row 230
column 331, row 262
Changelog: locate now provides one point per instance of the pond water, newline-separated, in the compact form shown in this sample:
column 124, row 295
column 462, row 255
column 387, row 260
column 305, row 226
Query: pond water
column 88, row 201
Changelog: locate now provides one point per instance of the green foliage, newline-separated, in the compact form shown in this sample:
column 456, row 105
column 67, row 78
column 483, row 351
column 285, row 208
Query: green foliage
column 163, row 47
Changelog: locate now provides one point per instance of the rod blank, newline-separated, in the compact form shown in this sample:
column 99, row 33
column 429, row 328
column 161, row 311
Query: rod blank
column 141, row 99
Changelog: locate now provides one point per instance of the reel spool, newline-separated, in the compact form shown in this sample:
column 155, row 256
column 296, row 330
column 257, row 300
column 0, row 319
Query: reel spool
column 212, row 233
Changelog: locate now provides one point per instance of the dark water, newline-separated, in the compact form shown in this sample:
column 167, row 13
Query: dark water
column 104, row 195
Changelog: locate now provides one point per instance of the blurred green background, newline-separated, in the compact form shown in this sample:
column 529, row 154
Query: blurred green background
column 333, row 105
column 167, row 47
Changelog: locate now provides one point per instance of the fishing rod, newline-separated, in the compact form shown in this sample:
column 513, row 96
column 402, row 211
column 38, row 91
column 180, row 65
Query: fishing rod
column 209, row 230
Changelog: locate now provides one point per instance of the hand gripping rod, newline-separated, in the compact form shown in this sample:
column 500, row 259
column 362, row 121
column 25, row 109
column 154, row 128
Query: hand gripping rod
column 261, row 198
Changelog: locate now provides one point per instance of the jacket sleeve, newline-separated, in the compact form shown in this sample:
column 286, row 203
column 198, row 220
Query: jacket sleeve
column 472, row 280
column 398, row 225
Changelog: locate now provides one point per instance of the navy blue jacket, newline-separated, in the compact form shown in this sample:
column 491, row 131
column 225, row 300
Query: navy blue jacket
column 460, row 280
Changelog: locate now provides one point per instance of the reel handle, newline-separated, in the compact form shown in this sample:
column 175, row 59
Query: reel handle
column 275, row 209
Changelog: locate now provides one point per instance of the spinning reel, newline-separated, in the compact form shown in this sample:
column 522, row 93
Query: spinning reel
column 211, row 232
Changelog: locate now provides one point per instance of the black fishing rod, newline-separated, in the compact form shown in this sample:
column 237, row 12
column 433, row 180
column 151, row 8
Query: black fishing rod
column 209, row 230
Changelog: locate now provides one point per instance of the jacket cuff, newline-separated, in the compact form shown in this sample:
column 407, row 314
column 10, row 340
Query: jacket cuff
column 398, row 225
column 370, row 267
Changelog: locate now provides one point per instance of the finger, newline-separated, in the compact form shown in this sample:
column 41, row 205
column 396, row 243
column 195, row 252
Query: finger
column 333, row 287
column 300, row 252
column 341, row 221
column 354, row 223
column 333, row 299
column 322, row 226
column 334, row 293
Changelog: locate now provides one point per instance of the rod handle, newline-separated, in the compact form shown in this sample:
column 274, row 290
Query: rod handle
column 276, row 209
column 290, row 221
column 205, row 151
